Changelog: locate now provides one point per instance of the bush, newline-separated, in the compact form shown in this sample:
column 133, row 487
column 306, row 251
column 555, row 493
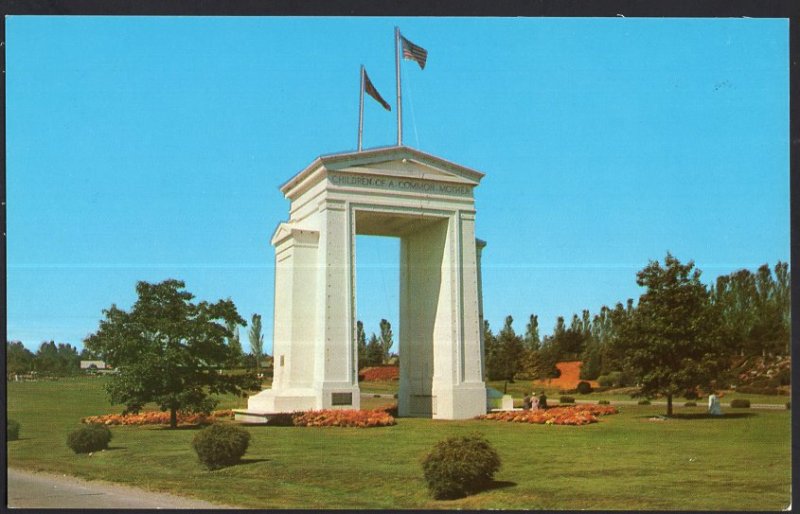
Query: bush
column 614, row 379
column 691, row 394
column 89, row 438
column 459, row 466
column 789, row 405
column 584, row 387
column 566, row 399
column 690, row 404
column 644, row 402
column 604, row 402
column 739, row 403
column 221, row 445
column 12, row 429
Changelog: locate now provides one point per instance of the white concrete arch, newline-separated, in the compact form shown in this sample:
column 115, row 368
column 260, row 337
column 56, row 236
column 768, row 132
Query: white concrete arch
column 428, row 203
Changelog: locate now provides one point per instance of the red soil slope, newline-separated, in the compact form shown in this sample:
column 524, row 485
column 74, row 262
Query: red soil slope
column 570, row 376
column 379, row 373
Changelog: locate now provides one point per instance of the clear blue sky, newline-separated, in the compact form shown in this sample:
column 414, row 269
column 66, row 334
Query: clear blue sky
column 143, row 148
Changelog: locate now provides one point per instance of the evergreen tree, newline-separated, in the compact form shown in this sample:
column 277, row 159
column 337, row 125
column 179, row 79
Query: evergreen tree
column 375, row 352
column 511, row 350
column 493, row 359
column 361, row 343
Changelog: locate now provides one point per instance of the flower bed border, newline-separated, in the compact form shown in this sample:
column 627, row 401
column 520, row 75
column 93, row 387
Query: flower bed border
column 575, row 415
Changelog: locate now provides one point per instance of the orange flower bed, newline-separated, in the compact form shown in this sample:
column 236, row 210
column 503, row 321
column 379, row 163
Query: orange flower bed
column 343, row 418
column 158, row 418
column 576, row 415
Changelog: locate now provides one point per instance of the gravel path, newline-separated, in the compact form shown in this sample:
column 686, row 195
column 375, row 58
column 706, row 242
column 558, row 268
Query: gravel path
column 29, row 490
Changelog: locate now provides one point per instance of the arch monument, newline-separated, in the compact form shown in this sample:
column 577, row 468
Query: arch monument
column 397, row 191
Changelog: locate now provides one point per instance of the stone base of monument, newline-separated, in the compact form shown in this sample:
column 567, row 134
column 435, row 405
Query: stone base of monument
column 252, row 418
column 271, row 402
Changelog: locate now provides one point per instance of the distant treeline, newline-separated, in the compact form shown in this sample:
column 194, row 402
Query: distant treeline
column 755, row 310
column 49, row 359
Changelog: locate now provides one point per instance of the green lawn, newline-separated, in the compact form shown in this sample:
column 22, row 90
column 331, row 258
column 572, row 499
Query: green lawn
column 738, row 462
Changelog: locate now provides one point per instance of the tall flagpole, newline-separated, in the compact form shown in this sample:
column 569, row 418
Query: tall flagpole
column 399, row 96
column 361, row 109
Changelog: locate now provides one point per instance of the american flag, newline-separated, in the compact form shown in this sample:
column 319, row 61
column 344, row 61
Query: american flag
column 371, row 91
column 413, row 52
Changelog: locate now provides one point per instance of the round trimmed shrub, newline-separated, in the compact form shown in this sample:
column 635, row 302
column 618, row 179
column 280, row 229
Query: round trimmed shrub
column 603, row 402
column 740, row 403
column 566, row 399
column 690, row 404
column 221, row 445
column 584, row 387
column 458, row 466
column 644, row 402
column 89, row 438
column 12, row 429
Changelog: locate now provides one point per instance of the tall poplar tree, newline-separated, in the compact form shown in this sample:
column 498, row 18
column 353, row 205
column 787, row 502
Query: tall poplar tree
column 256, row 340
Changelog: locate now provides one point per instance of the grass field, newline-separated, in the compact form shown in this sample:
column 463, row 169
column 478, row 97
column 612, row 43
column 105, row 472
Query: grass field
column 627, row 461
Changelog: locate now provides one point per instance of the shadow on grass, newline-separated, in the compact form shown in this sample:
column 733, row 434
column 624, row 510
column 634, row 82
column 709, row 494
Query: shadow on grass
column 700, row 415
column 499, row 484
column 183, row 427
column 115, row 448
column 703, row 415
column 242, row 462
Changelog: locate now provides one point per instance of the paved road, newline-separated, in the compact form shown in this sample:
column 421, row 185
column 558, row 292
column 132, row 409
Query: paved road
column 47, row 491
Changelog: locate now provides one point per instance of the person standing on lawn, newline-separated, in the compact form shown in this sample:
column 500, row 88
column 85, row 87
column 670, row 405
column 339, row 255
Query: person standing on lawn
column 543, row 401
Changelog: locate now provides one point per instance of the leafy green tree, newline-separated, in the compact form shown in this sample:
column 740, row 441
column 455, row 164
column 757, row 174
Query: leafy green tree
column 69, row 359
column 671, row 342
column 169, row 350
column 18, row 358
column 361, row 342
column 46, row 359
column 61, row 359
column 256, row 340
column 386, row 339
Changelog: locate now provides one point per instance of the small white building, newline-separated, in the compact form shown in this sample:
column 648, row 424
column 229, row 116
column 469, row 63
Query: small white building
column 87, row 365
